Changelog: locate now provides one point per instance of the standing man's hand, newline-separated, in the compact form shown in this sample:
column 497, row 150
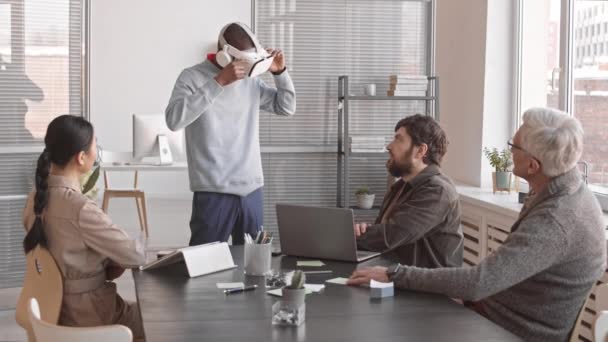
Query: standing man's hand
column 360, row 229
column 278, row 64
column 232, row 72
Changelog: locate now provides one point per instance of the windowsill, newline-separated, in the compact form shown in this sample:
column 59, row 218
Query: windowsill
column 502, row 203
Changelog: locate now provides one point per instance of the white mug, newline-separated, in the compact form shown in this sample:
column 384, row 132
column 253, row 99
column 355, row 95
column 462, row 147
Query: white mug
column 370, row 89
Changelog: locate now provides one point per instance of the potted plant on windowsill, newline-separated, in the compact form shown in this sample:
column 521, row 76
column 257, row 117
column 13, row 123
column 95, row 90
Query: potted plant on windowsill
column 501, row 161
column 365, row 199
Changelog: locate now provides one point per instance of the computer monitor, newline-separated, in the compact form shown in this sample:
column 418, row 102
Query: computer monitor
column 152, row 138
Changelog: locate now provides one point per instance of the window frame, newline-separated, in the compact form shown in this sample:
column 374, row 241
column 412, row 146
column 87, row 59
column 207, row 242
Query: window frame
column 567, row 60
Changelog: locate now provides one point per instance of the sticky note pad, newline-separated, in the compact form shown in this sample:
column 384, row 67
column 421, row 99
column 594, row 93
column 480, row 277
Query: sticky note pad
column 339, row 281
column 310, row 263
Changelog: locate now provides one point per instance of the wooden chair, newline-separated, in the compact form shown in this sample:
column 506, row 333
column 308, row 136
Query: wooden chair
column 137, row 194
column 600, row 326
column 47, row 332
column 601, row 304
column 43, row 280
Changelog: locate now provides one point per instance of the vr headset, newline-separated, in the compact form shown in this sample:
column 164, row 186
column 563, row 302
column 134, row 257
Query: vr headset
column 259, row 60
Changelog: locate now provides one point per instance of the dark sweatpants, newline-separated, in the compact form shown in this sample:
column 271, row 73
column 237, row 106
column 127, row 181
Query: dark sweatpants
column 215, row 216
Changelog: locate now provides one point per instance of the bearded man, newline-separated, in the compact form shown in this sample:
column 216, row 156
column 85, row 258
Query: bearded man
column 419, row 221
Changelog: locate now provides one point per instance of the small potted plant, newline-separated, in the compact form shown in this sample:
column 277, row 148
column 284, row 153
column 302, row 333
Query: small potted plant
column 365, row 199
column 291, row 309
column 501, row 161
column 295, row 292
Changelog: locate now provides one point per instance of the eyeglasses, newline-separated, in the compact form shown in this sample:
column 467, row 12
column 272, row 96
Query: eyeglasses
column 512, row 147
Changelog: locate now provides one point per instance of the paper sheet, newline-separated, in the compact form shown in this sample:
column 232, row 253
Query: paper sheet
column 314, row 287
column 279, row 292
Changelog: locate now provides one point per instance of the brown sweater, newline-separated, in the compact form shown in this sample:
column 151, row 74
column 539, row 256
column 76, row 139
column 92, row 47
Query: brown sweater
column 419, row 222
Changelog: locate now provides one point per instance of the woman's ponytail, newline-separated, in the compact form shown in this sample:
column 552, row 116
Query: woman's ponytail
column 36, row 235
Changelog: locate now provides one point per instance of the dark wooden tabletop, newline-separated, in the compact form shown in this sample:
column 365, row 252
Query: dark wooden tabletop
column 175, row 307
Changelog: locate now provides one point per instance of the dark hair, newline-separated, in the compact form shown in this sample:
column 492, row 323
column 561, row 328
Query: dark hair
column 425, row 130
column 66, row 136
column 236, row 36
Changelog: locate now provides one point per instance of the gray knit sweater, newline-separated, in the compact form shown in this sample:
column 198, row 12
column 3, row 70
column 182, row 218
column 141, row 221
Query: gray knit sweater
column 535, row 284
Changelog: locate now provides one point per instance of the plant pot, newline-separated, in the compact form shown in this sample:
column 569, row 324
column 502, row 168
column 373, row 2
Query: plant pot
column 365, row 201
column 503, row 180
column 293, row 297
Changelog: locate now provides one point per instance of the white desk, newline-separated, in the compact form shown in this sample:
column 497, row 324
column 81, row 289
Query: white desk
column 177, row 166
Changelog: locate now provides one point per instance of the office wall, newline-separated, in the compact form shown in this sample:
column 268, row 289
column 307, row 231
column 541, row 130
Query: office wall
column 475, row 61
column 460, row 63
column 138, row 48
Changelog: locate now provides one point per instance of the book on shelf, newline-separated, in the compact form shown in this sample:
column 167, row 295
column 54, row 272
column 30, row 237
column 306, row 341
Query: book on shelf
column 407, row 87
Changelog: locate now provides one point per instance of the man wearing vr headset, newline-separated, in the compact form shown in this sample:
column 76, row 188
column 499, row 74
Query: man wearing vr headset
column 218, row 103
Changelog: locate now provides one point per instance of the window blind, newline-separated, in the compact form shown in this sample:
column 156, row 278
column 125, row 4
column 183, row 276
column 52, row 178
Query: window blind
column 41, row 72
column 324, row 39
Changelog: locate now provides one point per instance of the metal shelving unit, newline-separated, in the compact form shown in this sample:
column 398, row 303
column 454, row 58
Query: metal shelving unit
column 344, row 148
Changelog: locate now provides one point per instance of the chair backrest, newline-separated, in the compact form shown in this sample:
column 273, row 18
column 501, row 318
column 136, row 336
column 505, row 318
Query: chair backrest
column 47, row 332
column 601, row 297
column 601, row 304
column 43, row 280
column 600, row 326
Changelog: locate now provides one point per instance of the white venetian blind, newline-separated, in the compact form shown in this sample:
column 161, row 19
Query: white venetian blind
column 323, row 39
column 41, row 68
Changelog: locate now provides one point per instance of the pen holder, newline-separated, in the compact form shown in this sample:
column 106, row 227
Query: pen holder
column 257, row 258
column 291, row 309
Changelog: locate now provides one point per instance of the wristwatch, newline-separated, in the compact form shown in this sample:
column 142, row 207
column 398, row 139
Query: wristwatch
column 392, row 270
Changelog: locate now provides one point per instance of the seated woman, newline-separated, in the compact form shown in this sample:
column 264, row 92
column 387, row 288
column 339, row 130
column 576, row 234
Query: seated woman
column 87, row 247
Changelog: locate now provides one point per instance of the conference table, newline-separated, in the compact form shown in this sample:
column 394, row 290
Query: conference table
column 175, row 307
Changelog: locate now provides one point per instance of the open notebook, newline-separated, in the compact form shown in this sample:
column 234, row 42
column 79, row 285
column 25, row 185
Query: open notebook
column 200, row 260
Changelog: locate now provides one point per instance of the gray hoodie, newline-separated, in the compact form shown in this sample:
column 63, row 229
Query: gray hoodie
column 222, row 126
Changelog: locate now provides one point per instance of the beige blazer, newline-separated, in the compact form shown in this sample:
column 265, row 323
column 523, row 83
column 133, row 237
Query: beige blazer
column 83, row 241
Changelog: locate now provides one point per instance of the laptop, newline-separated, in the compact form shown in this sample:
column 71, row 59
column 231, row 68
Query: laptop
column 323, row 233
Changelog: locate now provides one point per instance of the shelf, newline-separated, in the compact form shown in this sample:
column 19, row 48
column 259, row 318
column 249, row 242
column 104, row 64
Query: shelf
column 387, row 98
column 345, row 157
